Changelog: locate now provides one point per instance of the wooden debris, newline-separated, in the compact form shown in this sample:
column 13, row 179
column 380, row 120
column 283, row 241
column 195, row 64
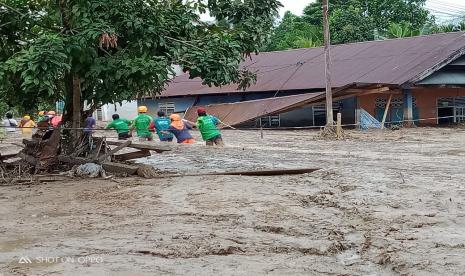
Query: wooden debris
column 7, row 156
column 107, row 166
column 113, row 151
column 252, row 173
column 156, row 148
column 132, row 155
column 31, row 160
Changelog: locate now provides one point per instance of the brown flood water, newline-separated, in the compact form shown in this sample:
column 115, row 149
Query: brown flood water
column 383, row 204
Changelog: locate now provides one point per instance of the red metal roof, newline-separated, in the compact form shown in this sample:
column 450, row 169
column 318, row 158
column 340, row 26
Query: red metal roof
column 392, row 62
column 236, row 113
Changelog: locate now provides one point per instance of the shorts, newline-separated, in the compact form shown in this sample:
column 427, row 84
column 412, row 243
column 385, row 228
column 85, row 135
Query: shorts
column 146, row 137
column 217, row 140
column 188, row 141
column 124, row 136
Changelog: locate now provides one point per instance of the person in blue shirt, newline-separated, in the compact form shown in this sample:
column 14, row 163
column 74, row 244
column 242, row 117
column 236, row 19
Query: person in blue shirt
column 162, row 124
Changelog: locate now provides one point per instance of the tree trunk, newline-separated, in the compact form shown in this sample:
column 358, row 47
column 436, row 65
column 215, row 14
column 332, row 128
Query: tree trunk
column 76, row 106
column 71, row 137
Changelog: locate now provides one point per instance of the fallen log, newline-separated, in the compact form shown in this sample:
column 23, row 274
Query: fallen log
column 251, row 173
column 132, row 155
column 156, row 148
column 107, row 166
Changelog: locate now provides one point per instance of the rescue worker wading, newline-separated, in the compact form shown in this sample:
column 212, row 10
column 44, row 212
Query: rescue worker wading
column 142, row 124
column 207, row 125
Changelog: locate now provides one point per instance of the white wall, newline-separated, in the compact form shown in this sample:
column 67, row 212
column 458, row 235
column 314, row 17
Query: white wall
column 127, row 110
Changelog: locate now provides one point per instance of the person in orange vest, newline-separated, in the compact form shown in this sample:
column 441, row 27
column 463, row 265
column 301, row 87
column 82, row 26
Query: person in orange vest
column 180, row 130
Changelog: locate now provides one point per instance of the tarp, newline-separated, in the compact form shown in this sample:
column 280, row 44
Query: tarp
column 236, row 113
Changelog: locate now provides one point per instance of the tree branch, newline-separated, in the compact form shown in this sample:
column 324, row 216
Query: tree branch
column 184, row 42
column 8, row 7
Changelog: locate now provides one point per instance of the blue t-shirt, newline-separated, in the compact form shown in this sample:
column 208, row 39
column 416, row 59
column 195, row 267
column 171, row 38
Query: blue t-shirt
column 163, row 124
column 90, row 123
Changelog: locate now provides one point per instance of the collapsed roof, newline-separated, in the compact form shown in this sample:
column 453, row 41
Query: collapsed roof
column 236, row 113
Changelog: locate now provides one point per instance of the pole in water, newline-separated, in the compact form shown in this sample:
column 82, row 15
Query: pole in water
column 327, row 44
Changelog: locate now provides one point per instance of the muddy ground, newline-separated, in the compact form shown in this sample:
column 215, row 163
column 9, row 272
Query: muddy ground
column 383, row 204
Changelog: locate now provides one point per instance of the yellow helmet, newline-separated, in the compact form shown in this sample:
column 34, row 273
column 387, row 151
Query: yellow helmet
column 27, row 117
column 51, row 112
column 142, row 109
column 41, row 113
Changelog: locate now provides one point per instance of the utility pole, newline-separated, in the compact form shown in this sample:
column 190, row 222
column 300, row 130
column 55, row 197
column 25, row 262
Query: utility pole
column 327, row 40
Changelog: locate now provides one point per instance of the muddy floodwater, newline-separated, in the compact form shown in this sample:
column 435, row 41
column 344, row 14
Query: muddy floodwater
column 383, row 203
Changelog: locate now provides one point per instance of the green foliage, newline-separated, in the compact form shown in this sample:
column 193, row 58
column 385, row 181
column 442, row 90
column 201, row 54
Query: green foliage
column 124, row 48
column 351, row 21
column 404, row 29
column 293, row 32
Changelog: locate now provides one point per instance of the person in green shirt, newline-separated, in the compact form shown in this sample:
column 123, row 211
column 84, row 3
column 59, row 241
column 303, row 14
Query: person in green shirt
column 208, row 126
column 121, row 126
column 142, row 124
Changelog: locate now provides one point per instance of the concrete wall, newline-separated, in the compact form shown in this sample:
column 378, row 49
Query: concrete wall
column 426, row 102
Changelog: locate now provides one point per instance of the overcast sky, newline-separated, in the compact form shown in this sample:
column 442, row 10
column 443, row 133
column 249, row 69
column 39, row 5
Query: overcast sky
column 443, row 9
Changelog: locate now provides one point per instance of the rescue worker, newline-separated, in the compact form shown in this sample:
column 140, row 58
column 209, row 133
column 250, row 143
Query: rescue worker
column 162, row 123
column 142, row 124
column 55, row 120
column 180, row 130
column 27, row 125
column 208, row 127
column 121, row 126
column 41, row 116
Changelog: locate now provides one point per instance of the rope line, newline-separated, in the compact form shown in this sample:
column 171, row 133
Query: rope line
column 246, row 129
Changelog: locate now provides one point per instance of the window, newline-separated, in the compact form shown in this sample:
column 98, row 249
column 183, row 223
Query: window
column 168, row 108
column 99, row 114
column 270, row 121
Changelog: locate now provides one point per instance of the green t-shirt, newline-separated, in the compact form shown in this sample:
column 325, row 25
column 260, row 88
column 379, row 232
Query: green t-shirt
column 207, row 126
column 120, row 125
column 142, row 124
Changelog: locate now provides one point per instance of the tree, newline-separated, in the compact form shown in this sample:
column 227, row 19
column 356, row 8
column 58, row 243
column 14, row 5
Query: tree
column 292, row 32
column 95, row 52
column 359, row 20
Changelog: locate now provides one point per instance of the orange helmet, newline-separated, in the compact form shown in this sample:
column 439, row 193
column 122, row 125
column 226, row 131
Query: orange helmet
column 41, row 113
column 142, row 109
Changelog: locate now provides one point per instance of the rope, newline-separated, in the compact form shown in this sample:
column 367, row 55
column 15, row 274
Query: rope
column 246, row 129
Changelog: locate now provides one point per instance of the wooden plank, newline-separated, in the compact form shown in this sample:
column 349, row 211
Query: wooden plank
column 108, row 166
column 115, row 150
column 132, row 155
column 252, row 173
column 386, row 110
column 8, row 156
column 156, row 148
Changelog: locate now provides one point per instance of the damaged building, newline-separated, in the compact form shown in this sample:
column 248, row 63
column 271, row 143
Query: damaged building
column 421, row 80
